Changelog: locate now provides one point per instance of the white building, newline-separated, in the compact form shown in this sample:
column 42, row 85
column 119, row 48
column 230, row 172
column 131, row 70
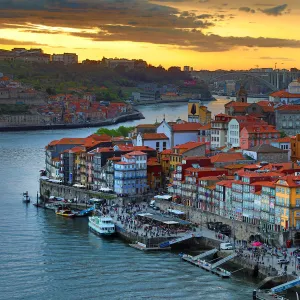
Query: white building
column 233, row 134
column 219, row 128
column 180, row 132
column 130, row 174
column 157, row 141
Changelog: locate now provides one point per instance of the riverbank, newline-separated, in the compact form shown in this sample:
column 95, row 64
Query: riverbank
column 137, row 115
column 163, row 101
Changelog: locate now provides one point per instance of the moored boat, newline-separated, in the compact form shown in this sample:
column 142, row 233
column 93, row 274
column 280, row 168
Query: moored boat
column 26, row 198
column 85, row 212
column 102, row 225
column 65, row 213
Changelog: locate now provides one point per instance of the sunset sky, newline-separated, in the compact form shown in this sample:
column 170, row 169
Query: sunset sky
column 205, row 34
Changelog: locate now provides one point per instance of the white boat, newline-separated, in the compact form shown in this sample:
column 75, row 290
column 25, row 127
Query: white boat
column 26, row 198
column 102, row 225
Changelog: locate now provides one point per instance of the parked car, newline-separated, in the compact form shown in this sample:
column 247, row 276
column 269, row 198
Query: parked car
column 226, row 246
column 155, row 207
column 283, row 261
column 296, row 252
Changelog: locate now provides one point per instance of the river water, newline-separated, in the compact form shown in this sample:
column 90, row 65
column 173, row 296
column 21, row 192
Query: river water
column 44, row 256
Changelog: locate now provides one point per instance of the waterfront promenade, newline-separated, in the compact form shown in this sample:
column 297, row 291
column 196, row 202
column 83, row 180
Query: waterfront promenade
column 264, row 257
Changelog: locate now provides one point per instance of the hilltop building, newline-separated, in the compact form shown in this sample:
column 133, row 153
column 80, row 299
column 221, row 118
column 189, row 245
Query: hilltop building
column 66, row 58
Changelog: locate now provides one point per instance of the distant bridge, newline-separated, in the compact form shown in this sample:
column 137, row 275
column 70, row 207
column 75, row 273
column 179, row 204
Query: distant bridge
column 274, row 80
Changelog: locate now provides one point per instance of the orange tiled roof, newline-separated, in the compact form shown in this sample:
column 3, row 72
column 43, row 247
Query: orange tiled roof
column 115, row 158
column 189, row 145
column 136, row 153
column 264, row 183
column 186, row 127
column 284, row 94
column 71, row 141
column 289, row 107
column 237, row 104
column 292, row 181
column 260, row 128
column 143, row 148
column 167, row 151
column 286, row 139
column 147, row 126
column 227, row 183
column 154, row 136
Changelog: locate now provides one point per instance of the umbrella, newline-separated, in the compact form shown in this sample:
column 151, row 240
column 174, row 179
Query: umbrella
column 256, row 244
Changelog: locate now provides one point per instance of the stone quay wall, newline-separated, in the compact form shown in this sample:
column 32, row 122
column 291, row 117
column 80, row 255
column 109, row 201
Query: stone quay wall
column 241, row 230
column 69, row 192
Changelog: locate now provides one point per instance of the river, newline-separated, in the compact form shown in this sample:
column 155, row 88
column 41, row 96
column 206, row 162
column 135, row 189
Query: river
column 44, row 256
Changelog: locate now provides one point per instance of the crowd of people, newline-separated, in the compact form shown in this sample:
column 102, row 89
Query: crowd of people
column 140, row 225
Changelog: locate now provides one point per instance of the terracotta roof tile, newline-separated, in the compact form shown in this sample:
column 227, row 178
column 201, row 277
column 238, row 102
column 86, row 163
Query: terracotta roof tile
column 154, row 136
column 186, row 127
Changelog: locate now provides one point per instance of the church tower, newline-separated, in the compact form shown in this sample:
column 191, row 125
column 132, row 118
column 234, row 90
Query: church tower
column 242, row 95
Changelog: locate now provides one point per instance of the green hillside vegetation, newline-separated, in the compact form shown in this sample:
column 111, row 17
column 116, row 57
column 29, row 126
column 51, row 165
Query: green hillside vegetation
column 121, row 131
column 108, row 84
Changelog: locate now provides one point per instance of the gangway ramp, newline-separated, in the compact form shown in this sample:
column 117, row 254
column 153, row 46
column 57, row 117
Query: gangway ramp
column 207, row 253
column 179, row 240
column 285, row 286
column 224, row 260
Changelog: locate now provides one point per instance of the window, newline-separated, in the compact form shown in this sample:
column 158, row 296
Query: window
column 298, row 202
column 164, row 145
column 157, row 146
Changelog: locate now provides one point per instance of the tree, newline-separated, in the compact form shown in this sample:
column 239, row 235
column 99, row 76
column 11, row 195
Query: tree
column 121, row 131
column 283, row 134
column 50, row 91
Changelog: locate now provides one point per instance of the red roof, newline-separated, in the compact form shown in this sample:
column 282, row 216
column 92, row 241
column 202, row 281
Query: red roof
column 260, row 129
column 286, row 139
column 187, row 127
column 288, row 107
column 133, row 153
column 189, row 145
column 284, row 94
column 154, row 136
column 167, row 151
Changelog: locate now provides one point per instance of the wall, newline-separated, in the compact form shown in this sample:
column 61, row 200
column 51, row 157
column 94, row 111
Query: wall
column 165, row 128
column 69, row 192
column 242, row 230
column 184, row 137
column 199, row 151
column 273, row 157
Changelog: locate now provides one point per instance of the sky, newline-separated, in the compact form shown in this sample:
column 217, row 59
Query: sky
column 203, row 34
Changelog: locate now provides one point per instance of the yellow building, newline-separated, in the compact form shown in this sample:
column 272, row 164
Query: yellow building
column 198, row 113
column 288, row 201
column 295, row 148
column 164, row 160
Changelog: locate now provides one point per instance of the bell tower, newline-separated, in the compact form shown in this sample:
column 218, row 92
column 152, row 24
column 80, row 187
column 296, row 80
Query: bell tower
column 242, row 95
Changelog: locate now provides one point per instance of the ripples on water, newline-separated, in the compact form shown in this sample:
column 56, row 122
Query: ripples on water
column 44, row 256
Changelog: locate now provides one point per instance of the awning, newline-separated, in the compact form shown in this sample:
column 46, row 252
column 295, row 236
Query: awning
column 170, row 222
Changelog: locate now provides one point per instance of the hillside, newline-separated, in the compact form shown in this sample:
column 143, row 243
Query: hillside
column 111, row 84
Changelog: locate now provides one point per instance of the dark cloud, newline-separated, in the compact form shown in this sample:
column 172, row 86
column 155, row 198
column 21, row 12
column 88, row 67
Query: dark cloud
column 247, row 9
column 275, row 11
column 130, row 20
column 19, row 43
column 205, row 16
